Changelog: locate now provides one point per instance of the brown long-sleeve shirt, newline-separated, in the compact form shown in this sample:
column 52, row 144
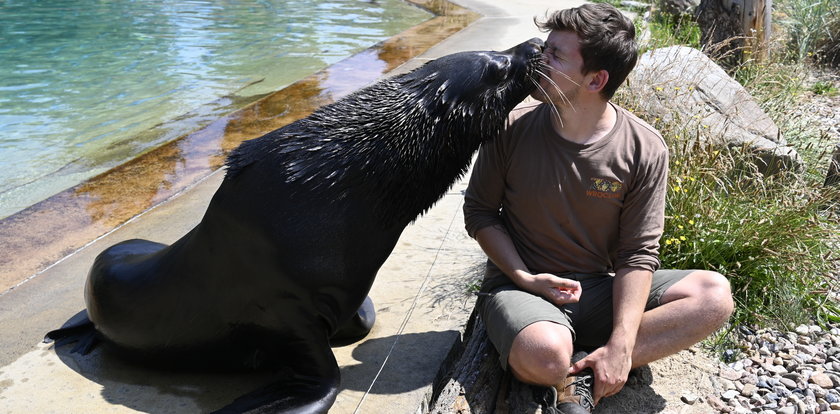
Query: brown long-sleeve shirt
column 569, row 207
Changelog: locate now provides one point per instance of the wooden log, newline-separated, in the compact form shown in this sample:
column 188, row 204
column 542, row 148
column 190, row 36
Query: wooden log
column 729, row 28
column 471, row 381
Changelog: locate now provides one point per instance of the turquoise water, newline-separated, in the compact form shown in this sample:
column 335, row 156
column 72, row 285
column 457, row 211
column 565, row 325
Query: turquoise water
column 86, row 85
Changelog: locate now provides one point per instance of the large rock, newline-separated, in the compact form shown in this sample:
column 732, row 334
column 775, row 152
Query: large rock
column 677, row 8
column 681, row 85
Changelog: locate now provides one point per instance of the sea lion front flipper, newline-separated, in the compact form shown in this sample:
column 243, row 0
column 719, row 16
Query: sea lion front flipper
column 79, row 329
column 292, row 393
column 357, row 327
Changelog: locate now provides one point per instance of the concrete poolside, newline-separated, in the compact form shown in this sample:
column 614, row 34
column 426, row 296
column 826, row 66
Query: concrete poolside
column 420, row 295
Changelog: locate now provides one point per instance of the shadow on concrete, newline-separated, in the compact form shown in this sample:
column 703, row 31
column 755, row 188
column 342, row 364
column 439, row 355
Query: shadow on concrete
column 157, row 389
column 412, row 362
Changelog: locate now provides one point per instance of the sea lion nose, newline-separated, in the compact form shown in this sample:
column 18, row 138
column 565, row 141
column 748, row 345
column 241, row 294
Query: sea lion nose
column 531, row 47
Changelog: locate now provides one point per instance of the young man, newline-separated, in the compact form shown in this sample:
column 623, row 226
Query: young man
column 568, row 204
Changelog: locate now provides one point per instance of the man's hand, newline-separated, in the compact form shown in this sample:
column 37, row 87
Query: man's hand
column 555, row 289
column 610, row 365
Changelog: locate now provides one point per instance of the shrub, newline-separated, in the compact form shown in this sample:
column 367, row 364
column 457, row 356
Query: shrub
column 813, row 28
column 772, row 237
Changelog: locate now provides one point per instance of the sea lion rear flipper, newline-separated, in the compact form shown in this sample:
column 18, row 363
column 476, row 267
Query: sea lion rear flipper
column 357, row 327
column 78, row 329
column 291, row 393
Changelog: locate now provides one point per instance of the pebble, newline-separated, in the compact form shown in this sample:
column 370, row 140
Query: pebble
column 770, row 371
column 822, row 380
column 748, row 390
column 790, row 384
column 689, row 398
column 729, row 394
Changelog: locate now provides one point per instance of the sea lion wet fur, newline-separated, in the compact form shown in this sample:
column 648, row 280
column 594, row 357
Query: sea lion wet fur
column 284, row 257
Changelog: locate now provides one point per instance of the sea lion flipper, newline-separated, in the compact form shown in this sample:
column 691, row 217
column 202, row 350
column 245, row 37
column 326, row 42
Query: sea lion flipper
column 357, row 327
column 80, row 330
column 295, row 393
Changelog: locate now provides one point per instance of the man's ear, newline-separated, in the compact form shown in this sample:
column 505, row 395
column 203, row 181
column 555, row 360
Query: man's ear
column 598, row 80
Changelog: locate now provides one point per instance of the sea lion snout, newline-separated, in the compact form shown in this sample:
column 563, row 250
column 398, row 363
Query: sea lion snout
column 527, row 49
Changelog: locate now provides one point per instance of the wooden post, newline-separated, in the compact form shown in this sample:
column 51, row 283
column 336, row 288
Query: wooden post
column 755, row 21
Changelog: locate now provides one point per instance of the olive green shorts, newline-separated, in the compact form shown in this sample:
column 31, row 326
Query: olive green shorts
column 506, row 309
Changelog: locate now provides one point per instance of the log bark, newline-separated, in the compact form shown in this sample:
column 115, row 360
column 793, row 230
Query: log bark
column 721, row 31
column 729, row 28
column 471, row 380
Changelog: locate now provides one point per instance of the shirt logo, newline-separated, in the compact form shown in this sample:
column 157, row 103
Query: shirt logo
column 604, row 188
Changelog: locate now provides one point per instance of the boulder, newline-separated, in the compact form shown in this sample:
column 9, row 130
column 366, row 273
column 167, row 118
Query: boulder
column 682, row 85
column 677, row 8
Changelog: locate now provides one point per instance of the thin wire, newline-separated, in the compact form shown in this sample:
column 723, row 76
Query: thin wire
column 410, row 311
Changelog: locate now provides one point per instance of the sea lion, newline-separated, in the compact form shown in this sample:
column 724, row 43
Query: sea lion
column 281, row 263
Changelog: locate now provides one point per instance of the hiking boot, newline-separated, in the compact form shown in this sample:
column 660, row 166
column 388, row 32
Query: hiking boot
column 574, row 395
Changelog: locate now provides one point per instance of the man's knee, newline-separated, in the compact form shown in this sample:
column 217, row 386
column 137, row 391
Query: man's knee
column 716, row 291
column 541, row 353
column 710, row 291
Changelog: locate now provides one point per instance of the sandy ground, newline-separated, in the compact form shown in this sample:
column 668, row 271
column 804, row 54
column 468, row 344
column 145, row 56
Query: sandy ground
column 658, row 388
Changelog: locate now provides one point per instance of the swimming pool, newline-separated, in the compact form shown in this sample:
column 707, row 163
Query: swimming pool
column 87, row 85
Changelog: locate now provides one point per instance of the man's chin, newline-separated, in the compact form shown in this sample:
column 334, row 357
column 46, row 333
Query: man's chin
column 539, row 95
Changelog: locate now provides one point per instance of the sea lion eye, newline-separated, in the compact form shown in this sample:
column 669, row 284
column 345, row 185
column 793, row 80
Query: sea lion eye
column 499, row 67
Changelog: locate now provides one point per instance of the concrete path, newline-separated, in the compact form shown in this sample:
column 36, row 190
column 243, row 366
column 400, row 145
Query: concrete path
column 421, row 296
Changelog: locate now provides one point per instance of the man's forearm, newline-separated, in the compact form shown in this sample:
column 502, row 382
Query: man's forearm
column 612, row 362
column 498, row 246
column 630, row 292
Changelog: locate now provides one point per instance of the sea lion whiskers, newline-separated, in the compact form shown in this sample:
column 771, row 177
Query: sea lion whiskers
column 562, row 95
column 554, row 84
column 553, row 107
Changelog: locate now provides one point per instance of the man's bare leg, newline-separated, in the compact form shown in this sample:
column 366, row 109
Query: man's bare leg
column 690, row 310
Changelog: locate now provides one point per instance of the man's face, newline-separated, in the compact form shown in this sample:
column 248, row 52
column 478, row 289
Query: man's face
column 562, row 55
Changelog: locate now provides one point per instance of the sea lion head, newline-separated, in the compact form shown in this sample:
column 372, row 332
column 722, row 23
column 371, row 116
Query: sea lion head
column 476, row 90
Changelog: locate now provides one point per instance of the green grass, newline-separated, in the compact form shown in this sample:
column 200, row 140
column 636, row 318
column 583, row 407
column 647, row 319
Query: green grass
column 824, row 88
column 666, row 30
column 772, row 237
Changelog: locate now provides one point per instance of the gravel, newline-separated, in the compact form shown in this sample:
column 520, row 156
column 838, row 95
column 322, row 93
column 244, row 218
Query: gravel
column 795, row 372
